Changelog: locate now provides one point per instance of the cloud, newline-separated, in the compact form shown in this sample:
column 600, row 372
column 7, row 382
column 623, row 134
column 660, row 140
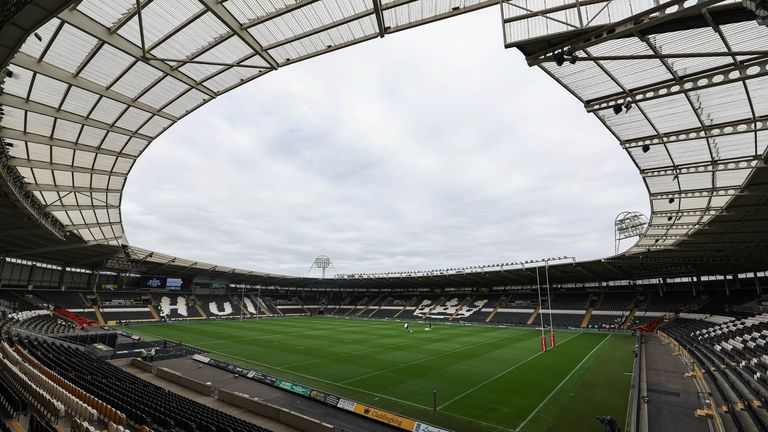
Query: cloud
column 430, row 148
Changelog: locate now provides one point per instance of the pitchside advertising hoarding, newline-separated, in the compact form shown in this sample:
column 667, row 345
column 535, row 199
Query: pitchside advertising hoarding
column 374, row 413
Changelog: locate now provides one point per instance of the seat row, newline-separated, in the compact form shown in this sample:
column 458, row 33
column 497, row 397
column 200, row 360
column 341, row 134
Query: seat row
column 143, row 403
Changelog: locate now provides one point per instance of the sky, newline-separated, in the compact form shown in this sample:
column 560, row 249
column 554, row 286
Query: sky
column 430, row 148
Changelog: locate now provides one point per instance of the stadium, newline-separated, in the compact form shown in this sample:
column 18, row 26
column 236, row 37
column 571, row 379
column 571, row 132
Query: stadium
column 101, row 334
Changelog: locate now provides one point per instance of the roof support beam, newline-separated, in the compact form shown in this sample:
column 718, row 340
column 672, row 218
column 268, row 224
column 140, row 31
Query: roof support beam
column 14, row 134
column 314, row 31
column 700, row 193
column 234, row 26
column 64, row 247
column 128, row 17
column 278, row 13
column 648, row 18
column 86, row 24
column 729, row 75
column 748, row 125
column 17, row 162
column 548, row 11
column 29, row 62
column 719, row 166
column 89, row 226
column 451, row 13
column 688, row 212
column 35, row 107
column 59, row 188
column 327, row 50
column 379, row 17
column 176, row 29
column 57, row 207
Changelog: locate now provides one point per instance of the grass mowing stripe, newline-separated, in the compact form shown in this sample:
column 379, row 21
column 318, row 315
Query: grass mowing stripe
column 560, row 385
column 368, row 392
column 501, row 374
column 353, row 353
column 320, row 379
column 491, row 378
column 262, row 337
column 431, row 357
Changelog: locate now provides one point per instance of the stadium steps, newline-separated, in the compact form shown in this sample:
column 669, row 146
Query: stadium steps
column 343, row 303
column 629, row 318
column 153, row 311
column 411, row 302
column 271, row 304
column 387, row 300
column 263, row 308
column 84, row 299
column 502, row 301
column 97, row 310
column 441, row 301
column 15, row 425
column 587, row 316
column 371, row 305
column 361, row 302
column 198, row 308
column 243, row 309
column 533, row 316
column 463, row 304
column 301, row 305
column 364, row 305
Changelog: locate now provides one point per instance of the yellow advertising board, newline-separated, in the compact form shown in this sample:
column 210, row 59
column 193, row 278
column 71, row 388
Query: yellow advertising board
column 385, row 417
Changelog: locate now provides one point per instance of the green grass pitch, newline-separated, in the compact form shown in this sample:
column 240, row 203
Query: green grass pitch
column 487, row 378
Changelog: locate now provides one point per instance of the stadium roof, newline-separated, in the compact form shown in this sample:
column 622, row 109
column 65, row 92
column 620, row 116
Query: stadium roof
column 683, row 86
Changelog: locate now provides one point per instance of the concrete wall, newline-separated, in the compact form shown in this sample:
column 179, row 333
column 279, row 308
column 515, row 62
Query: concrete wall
column 268, row 410
column 141, row 364
column 201, row 387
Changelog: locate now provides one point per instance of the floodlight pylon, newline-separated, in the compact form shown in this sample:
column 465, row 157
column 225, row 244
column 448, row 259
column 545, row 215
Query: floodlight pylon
column 628, row 224
column 323, row 263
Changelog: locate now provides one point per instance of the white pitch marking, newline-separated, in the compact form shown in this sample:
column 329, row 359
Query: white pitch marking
column 429, row 358
column 541, row 405
column 500, row 374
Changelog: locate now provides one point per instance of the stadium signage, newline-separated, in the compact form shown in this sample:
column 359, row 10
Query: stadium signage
column 373, row 413
column 385, row 417
column 292, row 387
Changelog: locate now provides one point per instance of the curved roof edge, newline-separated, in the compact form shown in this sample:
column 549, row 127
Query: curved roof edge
column 96, row 85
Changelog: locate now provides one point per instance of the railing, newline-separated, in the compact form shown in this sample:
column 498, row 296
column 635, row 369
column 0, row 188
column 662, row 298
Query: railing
column 17, row 184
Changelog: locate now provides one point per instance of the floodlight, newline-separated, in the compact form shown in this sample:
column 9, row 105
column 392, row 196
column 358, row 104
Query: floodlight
column 574, row 59
column 628, row 106
column 645, row 148
column 38, row 37
column 559, row 58
column 671, row 200
column 617, row 109
column 8, row 73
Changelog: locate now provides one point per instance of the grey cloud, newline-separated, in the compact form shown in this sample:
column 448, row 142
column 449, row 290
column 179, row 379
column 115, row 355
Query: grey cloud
column 431, row 148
